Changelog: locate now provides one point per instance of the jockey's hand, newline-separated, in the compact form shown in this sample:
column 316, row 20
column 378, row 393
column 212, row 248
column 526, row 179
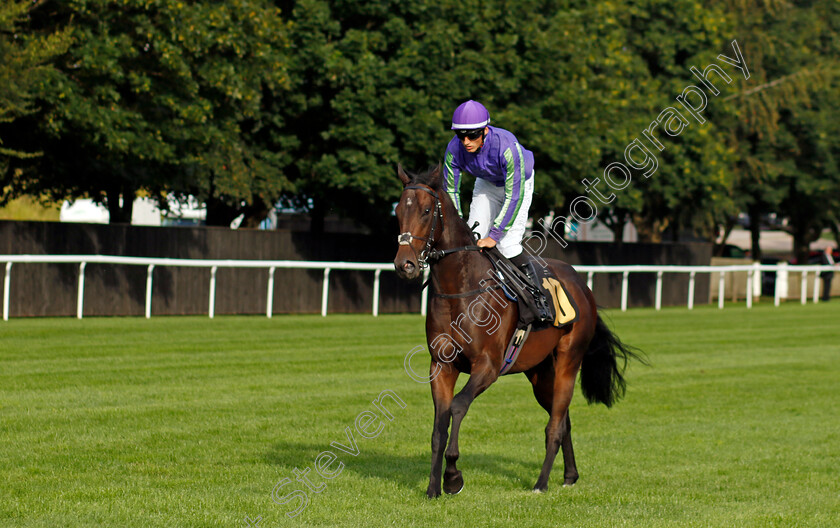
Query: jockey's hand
column 486, row 243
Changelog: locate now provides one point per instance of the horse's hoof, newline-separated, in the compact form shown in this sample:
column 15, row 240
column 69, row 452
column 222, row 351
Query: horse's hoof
column 432, row 494
column 455, row 492
column 569, row 481
column 454, row 484
column 538, row 491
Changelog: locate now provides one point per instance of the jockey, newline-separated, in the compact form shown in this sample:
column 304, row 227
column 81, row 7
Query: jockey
column 504, row 172
column 504, row 185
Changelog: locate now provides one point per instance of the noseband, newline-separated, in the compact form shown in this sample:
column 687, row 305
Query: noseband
column 404, row 239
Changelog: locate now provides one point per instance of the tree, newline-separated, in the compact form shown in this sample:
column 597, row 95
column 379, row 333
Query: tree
column 25, row 64
column 792, row 48
column 689, row 187
column 812, row 197
column 577, row 82
column 378, row 82
column 314, row 102
column 164, row 97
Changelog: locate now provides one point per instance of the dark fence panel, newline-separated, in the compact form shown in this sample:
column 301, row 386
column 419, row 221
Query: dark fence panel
column 51, row 289
column 43, row 289
column 641, row 286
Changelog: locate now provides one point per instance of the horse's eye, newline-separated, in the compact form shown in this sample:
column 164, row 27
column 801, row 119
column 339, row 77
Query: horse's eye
column 427, row 211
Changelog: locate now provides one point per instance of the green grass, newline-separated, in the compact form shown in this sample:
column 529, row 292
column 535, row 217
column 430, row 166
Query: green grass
column 182, row 422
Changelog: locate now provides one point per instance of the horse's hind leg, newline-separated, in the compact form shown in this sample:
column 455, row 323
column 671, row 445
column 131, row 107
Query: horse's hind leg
column 443, row 387
column 570, row 473
column 558, row 430
column 482, row 376
column 542, row 379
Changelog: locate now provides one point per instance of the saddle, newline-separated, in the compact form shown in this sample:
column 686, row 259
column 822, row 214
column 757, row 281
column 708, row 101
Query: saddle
column 532, row 291
column 542, row 299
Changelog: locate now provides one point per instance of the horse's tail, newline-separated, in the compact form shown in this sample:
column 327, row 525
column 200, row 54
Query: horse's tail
column 602, row 372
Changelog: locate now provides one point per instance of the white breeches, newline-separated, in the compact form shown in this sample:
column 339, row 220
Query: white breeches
column 487, row 202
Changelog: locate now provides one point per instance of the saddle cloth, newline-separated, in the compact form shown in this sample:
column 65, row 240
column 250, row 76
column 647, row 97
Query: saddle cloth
column 562, row 304
column 559, row 308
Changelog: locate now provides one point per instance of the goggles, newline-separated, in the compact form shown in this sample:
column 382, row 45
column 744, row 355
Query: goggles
column 470, row 134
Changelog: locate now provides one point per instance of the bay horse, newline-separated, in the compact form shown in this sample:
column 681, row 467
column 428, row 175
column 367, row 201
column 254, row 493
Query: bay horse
column 431, row 229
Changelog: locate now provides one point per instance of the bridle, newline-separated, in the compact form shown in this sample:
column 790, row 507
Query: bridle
column 404, row 239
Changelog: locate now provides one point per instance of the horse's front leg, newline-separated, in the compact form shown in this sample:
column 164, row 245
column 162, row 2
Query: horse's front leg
column 483, row 374
column 443, row 387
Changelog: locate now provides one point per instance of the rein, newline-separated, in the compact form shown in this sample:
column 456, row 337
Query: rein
column 404, row 239
column 428, row 255
column 437, row 254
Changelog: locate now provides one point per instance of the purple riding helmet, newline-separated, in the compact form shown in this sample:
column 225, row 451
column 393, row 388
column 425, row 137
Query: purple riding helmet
column 470, row 116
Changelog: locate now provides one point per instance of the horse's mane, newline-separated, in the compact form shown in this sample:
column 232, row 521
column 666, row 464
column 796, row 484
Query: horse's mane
column 433, row 177
column 428, row 177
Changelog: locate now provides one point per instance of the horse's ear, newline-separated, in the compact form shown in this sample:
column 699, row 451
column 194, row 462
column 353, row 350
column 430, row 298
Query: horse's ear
column 403, row 176
column 434, row 177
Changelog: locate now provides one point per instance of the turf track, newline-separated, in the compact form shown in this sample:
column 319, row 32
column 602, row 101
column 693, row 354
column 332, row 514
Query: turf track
column 183, row 422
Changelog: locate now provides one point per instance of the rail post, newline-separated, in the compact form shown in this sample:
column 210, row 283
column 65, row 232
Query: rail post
column 750, row 274
column 781, row 283
column 376, row 292
column 212, row 308
column 325, row 292
column 659, row 289
column 424, row 295
column 803, row 288
column 625, row 285
column 269, row 303
column 80, row 299
column 691, row 290
column 6, row 283
column 149, row 273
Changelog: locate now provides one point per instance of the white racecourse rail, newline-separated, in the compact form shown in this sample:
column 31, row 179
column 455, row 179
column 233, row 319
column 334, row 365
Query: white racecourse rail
column 272, row 265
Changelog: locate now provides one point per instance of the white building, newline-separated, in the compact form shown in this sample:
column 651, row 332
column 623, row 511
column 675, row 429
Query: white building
column 145, row 212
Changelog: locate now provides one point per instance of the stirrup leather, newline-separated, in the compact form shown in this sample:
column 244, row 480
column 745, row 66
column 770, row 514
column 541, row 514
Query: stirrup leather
column 540, row 302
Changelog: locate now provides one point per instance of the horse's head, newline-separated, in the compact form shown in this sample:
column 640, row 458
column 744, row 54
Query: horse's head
column 420, row 216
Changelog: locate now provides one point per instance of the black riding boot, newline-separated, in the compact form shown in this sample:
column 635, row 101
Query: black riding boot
column 521, row 261
column 543, row 312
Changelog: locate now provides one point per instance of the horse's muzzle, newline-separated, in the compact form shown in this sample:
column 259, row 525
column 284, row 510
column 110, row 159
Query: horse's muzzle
column 406, row 268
